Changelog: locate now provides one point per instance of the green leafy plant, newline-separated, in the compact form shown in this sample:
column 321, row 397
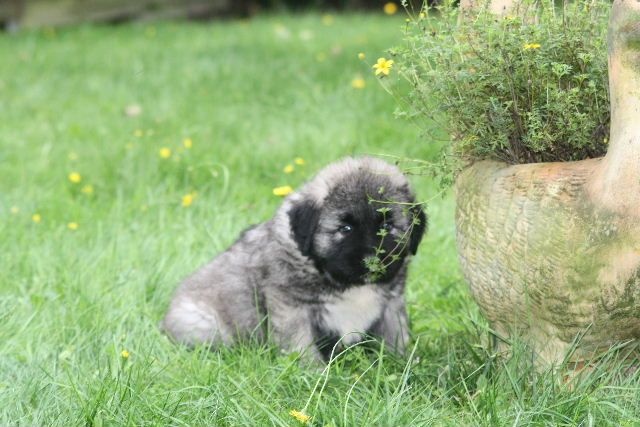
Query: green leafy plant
column 526, row 88
column 378, row 263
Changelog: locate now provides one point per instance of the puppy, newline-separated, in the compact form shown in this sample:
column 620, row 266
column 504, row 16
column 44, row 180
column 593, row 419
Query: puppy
column 326, row 270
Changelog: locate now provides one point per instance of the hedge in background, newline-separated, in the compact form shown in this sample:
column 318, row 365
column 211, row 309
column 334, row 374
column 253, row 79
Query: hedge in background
column 16, row 14
column 335, row 4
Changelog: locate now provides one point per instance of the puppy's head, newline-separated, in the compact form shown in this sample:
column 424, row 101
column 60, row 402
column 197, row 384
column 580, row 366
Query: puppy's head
column 357, row 220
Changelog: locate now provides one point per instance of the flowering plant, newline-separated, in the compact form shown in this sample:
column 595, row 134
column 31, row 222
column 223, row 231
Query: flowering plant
column 526, row 88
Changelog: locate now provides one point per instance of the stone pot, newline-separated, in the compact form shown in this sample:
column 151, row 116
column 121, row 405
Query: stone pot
column 551, row 251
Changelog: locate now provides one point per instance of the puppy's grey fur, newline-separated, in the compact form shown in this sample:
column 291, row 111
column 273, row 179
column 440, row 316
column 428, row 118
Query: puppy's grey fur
column 303, row 270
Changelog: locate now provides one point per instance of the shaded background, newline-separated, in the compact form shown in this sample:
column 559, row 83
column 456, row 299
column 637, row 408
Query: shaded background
column 16, row 14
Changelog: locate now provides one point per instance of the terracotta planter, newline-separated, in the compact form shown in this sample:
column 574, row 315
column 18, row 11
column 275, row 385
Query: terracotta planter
column 551, row 251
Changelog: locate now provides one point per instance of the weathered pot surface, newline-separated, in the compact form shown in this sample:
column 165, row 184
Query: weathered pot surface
column 551, row 251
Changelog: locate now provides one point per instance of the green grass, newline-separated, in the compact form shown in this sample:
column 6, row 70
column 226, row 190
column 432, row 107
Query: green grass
column 252, row 96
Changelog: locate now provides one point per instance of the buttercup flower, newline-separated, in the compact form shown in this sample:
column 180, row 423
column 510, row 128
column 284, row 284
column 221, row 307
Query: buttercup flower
column 390, row 8
column 36, row 218
column 383, row 66
column 531, row 46
column 165, row 152
column 300, row 416
column 75, row 177
column 72, row 226
column 124, row 354
column 282, row 191
column 188, row 143
column 361, row 56
column 187, row 200
column 288, row 169
column 299, row 161
column 358, row 83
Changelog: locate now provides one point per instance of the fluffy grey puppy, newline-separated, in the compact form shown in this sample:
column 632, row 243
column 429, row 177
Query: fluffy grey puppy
column 308, row 271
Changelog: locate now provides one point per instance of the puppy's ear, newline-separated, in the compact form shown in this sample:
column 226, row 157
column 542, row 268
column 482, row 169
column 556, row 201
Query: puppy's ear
column 417, row 230
column 304, row 217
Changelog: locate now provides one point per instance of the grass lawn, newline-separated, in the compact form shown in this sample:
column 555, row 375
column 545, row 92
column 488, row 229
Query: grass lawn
column 84, row 283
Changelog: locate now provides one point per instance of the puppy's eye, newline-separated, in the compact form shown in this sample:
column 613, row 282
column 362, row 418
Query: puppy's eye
column 345, row 229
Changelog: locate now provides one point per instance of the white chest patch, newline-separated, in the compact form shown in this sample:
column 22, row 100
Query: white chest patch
column 354, row 311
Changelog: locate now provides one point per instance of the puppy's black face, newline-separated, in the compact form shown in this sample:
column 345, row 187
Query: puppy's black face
column 362, row 231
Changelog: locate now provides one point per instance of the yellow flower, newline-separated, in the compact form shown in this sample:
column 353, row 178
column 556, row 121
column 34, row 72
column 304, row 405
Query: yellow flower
column 36, row 218
column 361, row 56
column 422, row 15
column 125, row 354
column 72, row 226
column 15, row 209
column 165, row 152
column 390, row 8
column 138, row 133
column 187, row 199
column 383, row 66
column 87, row 189
column 358, row 83
column 300, row 416
column 188, row 143
column 531, row 46
column 288, row 169
column 282, row 191
column 299, row 161
column 75, row 177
